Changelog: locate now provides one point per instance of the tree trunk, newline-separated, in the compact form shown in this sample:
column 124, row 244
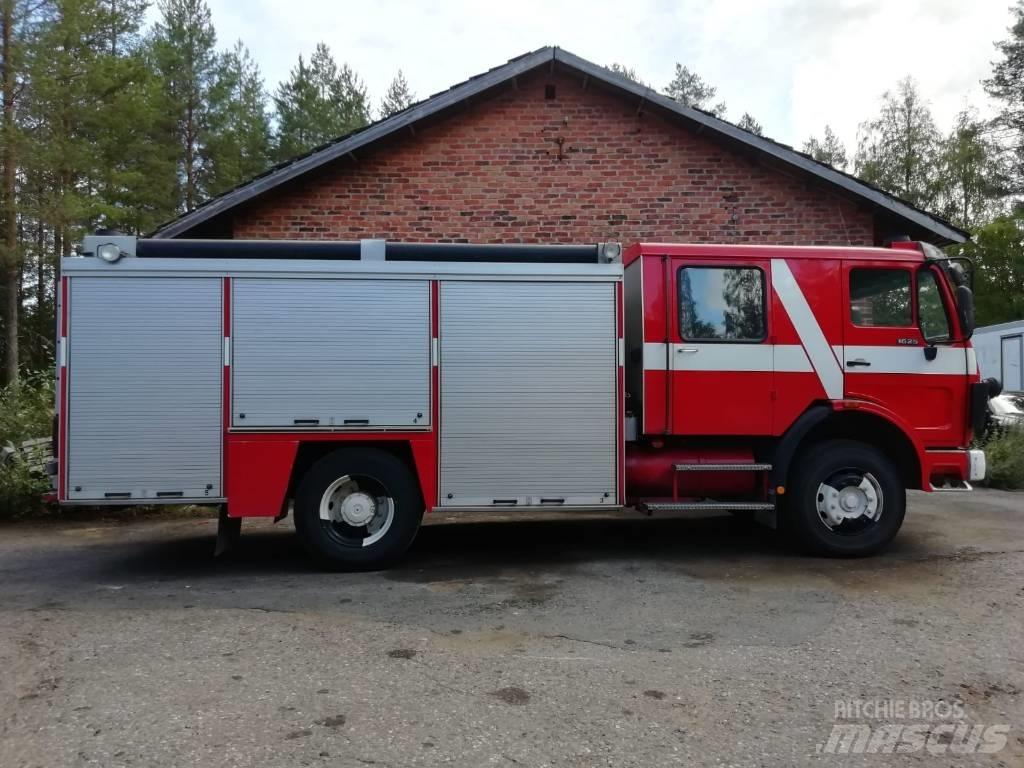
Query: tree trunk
column 11, row 260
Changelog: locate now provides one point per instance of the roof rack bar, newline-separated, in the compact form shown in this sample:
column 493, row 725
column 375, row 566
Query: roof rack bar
column 471, row 252
column 375, row 249
column 247, row 249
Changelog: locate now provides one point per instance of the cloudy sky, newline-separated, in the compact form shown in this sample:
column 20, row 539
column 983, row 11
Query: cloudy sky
column 794, row 64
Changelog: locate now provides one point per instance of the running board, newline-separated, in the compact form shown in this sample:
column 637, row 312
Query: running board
column 706, row 506
column 722, row 467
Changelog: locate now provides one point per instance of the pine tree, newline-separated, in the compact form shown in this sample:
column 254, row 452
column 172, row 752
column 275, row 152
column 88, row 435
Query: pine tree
column 748, row 123
column 92, row 159
column 239, row 144
column 1007, row 86
column 899, row 149
column 690, row 89
column 135, row 168
column 973, row 175
column 627, row 72
column 398, row 97
column 318, row 103
column 183, row 49
column 18, row 21
column 830, row 150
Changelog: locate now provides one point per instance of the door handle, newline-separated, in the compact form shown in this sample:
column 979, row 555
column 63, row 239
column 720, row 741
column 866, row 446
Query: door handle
column 687, row 350
column 860, row 361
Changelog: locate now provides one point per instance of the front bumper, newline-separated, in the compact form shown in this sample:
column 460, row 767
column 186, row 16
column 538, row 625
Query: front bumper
column 977, row 466
column 952, row 470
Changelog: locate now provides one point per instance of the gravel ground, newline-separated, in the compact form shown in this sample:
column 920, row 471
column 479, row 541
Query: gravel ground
column 615, row 641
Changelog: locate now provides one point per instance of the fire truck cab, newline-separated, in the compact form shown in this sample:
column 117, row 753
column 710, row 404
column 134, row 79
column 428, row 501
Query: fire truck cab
column 361, row 384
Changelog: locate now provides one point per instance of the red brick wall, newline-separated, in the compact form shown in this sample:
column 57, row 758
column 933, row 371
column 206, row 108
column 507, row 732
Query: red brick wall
column 583, row 167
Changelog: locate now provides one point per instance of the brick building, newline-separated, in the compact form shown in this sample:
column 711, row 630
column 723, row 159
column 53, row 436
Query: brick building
column 553, row 148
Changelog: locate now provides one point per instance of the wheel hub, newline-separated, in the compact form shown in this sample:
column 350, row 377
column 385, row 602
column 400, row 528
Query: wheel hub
column 849, row 498
column 358, row 508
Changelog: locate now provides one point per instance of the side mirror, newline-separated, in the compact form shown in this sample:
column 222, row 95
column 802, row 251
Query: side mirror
column 931, row 352
column 965, row 309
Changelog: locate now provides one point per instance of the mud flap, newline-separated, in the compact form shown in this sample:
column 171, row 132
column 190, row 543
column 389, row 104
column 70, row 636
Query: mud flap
column 229, row 530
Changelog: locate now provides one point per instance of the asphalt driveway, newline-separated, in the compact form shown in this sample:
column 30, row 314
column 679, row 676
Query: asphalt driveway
column 573, row 642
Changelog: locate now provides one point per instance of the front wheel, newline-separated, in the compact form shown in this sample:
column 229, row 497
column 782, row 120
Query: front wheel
column 358, row 508
column 846, row 499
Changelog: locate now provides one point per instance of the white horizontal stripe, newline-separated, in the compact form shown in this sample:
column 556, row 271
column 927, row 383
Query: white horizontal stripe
column 972, row 361
column 722, row 357
column 654, row 355
column 893, row 359
column 789, row 358
column 807, row 327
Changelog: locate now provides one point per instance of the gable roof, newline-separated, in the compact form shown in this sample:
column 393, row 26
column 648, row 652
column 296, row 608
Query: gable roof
column 903, row 217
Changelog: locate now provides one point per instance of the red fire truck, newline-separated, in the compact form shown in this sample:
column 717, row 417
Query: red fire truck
column 361, row 384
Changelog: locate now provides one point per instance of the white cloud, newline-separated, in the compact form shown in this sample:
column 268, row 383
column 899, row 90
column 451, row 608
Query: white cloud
column 794, row 64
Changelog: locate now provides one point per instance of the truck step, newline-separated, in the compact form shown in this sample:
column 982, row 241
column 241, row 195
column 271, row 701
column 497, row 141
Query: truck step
column 707, row 506
column 722, row 467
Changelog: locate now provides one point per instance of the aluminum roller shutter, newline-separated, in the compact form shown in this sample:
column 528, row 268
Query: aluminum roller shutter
column 310, row 352
column 145, row 371
column 528, row 389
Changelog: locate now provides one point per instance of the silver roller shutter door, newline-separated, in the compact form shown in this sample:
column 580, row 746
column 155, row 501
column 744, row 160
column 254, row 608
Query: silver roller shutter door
column 145, row 375
column 330, row 352
column 528, row 388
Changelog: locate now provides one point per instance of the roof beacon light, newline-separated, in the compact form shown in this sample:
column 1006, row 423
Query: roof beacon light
column 109, row 252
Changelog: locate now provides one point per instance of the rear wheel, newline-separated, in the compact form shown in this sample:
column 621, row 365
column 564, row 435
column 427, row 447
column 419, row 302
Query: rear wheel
column 358, row 508
column 846, row 499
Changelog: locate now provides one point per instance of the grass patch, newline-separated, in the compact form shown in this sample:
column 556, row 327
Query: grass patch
column 1004, row 454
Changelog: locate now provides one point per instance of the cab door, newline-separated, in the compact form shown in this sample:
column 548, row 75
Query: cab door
column 720, row 358
column 899, row 349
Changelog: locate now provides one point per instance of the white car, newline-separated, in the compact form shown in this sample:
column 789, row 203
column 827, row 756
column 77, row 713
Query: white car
column 1006, row 411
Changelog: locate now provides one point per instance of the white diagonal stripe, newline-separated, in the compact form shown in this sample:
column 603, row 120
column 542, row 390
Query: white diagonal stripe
column 807, row 328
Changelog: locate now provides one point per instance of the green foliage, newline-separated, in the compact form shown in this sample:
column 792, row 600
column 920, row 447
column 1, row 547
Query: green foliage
column 829, row 150
column 26, row 408
column 690, row 89
column 1004, row 455
column 398, row 97
column 1007, row 86
column 319, row 102
column 972, row 173
column 26, row 412
column 627, row 72
column 21, row 491
column 239, row 143
column 183, row 52
column 748, row 123
column 997, row 250
column 898, row 150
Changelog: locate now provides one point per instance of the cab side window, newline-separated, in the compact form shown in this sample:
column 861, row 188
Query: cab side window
column 931, row 310
column 721, row 304
column 880, row 298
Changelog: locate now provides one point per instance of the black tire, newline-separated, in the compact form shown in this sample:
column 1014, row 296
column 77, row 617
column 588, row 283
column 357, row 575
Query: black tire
column 840, row 462
column 336, row 544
